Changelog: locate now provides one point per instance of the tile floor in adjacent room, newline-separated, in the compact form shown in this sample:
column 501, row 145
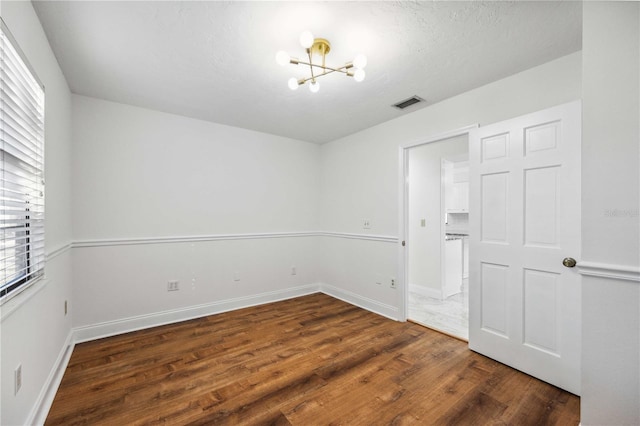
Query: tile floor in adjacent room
column 450, row 315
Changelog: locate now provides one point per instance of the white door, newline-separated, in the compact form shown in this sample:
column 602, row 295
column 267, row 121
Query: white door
column 524, row 305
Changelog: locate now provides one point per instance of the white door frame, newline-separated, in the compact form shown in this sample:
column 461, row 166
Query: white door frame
column 403, row 209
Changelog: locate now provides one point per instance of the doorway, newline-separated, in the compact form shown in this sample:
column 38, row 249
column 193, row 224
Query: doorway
column 437, row 233
column 524, row 198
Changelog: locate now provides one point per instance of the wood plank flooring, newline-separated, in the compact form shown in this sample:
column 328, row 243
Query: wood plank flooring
column 312, row 360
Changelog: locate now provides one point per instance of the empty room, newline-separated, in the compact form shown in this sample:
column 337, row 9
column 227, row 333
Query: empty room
column 310, row 213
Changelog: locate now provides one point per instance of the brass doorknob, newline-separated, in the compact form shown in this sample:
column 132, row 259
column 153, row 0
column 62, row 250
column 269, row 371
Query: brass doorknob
column 569, row 262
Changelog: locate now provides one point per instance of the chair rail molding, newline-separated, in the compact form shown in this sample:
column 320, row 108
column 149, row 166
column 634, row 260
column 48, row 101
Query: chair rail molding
column 609, row 270
column 224, row 237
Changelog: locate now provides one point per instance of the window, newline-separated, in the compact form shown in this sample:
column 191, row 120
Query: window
column 21, row 170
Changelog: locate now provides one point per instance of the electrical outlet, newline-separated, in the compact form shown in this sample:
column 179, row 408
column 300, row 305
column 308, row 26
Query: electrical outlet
column 294, row 271
column 65, row 308
column 18, row 378
column 393, row 283
column 236, row 276
column 379, row 279
column 366, row 224
column 173, row 286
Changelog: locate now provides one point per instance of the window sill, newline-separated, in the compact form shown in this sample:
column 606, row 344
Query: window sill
column 14, row 301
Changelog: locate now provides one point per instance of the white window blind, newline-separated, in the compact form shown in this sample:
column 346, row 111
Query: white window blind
column 22, row 170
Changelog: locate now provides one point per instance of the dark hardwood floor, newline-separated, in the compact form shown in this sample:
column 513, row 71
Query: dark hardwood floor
column 312, row 360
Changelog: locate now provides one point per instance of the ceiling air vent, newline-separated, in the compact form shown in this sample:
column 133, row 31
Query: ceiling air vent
column 408, row 102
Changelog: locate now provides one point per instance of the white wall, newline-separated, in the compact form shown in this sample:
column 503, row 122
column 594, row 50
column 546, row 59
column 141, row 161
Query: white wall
column 610, row 222
column 425, row 196
column 209, row 192
column 142, row 173
column 360, row 173
column 34, row 329
column 356, row 278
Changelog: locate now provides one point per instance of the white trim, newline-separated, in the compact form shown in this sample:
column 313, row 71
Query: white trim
column 403, row 207
column 189, row 239
column 366, row 237
column 426, row 291
column 609, row 270
column 21, row 296
column 126, row 325
column 12, row 301
column 41, row 408
column 403, row 227
column 386, row 310
column 441, row 136
column 57, row 252
column 221, row 237
column 21, row 54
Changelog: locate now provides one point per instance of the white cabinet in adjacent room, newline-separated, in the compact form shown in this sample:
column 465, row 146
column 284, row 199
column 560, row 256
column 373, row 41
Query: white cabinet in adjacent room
column 456, row 186
column 459, row 198
column 452, row 267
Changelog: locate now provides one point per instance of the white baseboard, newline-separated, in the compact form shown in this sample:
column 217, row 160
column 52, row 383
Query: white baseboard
column 40, row 410
column 126, row 325
column 389, row 311
column 426, row 291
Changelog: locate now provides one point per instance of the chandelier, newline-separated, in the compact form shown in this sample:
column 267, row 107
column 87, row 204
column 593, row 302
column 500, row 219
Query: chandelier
column 318, row 48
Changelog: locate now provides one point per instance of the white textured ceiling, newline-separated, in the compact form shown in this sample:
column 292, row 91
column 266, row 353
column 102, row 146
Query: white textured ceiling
column 215, row 60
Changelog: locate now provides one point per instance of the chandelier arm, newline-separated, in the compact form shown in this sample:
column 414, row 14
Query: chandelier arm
column 342, row 69
column 317, row 76
column 311, row 65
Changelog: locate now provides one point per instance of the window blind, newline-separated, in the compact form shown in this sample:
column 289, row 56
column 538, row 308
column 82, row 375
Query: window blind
column 22, row 170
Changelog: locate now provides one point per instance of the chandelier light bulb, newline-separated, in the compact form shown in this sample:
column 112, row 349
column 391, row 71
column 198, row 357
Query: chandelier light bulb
column 306, row 39
column 359, row 75
column 282, row 58
column 293, row 83
column 360, row 61
column 314, row 87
